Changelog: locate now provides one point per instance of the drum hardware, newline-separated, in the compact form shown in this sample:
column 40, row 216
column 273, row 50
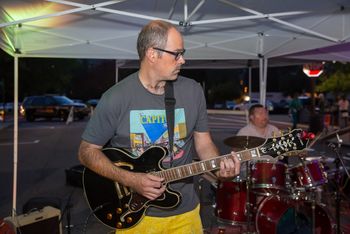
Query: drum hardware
column 313, row 211
column 275, row 198
column 249, row 205
column 338, row 161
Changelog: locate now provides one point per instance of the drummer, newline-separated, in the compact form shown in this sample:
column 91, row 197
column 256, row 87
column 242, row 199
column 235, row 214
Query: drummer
column 258, row 126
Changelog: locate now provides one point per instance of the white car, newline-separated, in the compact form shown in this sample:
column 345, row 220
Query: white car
column 245, row 105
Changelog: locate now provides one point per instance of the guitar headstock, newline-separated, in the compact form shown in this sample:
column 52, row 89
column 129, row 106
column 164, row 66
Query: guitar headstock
column 295, row 140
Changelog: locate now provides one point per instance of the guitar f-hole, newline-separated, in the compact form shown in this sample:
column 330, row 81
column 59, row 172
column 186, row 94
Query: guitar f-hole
column 121, row 190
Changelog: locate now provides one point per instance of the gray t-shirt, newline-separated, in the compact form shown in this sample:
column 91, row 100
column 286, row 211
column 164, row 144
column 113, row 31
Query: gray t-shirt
column 134, row 119
column 249, row 130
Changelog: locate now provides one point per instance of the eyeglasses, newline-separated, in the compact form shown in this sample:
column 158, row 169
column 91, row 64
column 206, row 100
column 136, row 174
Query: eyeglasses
column 176, row 54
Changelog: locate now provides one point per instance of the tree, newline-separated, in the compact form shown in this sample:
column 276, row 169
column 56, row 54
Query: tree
column 337, row 82
column 46, row 75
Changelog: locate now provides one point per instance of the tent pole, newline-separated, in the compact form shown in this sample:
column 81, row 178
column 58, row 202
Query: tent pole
column 250, row 80
column 261, row 67
column 249, row 17
column 116, row 71
column 15, row 137
column 294, row 26
column 118, row 64
column 263, row 78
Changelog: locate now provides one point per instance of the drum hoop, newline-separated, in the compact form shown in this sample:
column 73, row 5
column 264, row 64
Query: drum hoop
column 268, row 161
column 237, row 180
column 267, row 186
column 226, row 221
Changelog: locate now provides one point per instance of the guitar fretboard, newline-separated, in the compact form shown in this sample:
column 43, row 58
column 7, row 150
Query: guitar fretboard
column 200, row 167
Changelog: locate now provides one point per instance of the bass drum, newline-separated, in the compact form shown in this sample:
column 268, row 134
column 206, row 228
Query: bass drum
column 285, row 216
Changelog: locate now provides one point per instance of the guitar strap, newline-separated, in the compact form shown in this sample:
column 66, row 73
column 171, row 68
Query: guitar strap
column 170, row 101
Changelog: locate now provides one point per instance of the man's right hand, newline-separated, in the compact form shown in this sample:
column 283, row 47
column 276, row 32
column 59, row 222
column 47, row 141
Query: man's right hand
column 147, row 185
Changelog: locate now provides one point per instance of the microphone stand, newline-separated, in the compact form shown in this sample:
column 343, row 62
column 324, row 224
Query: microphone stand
column 338, row 161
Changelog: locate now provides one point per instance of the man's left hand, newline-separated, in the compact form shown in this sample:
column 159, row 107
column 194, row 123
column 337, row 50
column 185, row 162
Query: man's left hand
column 229, row 167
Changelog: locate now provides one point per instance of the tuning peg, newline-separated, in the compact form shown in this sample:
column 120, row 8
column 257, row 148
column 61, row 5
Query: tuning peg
column 311, row 136
column 304, row 135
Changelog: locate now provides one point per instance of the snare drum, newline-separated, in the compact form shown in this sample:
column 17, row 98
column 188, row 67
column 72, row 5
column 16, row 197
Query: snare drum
column 267, row 176
column 308, row 175
column 283, row 215
column 231, row 202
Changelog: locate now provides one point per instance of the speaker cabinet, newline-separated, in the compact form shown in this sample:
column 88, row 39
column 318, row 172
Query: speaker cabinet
column 44, row 221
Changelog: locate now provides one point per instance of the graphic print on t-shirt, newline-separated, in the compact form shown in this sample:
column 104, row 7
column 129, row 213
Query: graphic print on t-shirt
column 149, row 127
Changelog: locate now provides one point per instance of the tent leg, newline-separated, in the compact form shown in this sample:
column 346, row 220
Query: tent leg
column 15, row 138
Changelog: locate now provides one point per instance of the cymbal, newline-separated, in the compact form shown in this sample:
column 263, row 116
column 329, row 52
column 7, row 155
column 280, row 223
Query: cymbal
column 244, row 142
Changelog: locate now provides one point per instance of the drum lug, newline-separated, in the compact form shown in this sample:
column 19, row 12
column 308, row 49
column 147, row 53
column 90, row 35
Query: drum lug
column 274, row 180
column 253, row 167
column 265, row 216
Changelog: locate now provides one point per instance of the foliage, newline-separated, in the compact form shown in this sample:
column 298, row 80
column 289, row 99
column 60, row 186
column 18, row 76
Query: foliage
column 225, row 91
column 337, row 81
column 77, row 78
column 40, row 76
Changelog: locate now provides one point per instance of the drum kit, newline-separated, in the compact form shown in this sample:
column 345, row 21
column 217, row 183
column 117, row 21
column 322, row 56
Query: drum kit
column 274, row 197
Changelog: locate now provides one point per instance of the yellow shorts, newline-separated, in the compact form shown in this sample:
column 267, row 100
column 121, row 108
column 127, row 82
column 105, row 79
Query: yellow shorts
column 187, row 223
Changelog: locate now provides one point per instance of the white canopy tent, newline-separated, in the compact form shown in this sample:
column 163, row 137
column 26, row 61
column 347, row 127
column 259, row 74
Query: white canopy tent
column 212, row 29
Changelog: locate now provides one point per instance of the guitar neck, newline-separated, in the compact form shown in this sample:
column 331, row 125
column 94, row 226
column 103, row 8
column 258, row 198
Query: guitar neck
column 292, row 141
column 197, row 168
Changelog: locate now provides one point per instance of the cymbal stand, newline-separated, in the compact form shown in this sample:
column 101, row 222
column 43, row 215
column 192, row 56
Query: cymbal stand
column 337, row 194
column 248, row 202
column 338, row 161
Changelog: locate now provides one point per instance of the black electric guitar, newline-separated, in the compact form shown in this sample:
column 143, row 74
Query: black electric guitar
column 119, row 207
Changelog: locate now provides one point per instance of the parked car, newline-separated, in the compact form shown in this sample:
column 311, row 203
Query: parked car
column 92, row 102
column 230, row 105
column 7, row 106
column 245, row 105
column 219, row 105
column 51, row 106
column 281, row 107
column 77, row 100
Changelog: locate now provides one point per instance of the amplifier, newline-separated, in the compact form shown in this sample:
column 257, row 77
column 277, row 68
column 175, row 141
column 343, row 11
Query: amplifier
column 44, row 221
